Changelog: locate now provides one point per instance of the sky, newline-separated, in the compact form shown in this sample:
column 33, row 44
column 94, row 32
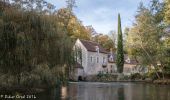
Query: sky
column 102, row 14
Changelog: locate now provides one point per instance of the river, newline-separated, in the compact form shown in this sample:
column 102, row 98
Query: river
column 108, row 91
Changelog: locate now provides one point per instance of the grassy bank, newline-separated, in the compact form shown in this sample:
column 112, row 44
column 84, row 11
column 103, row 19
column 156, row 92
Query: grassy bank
column 146, row 78
column 39, row 79
column 164, row 81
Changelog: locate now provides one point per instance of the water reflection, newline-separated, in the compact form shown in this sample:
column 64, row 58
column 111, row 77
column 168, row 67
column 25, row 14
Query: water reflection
column 108, row 91
column 120, row 93
column 64, row 92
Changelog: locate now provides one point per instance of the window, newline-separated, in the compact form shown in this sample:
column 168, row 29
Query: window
column 111, row 69
column 111, row 59
column 91, row 59
column 103, row 59
column 97, row 59
column 111, row 66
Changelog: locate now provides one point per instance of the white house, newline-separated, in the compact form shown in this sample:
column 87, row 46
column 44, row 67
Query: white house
column 112, row 68
column 91, row 58
column 130, row 65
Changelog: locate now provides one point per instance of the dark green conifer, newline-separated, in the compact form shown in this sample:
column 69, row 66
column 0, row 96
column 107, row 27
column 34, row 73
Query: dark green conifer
column 120, row 56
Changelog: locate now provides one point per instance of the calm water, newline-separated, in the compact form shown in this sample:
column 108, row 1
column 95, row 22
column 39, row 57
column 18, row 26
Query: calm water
column 108, row 91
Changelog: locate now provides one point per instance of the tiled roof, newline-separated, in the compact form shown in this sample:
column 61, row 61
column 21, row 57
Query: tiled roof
column 132, row 60
column 91, row 46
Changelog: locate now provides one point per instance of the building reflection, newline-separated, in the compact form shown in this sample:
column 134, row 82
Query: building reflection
column 91, row 91
column 114, row 91
column 64, row 93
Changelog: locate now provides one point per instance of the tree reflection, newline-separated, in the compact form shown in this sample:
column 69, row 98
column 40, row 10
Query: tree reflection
column 120, row 93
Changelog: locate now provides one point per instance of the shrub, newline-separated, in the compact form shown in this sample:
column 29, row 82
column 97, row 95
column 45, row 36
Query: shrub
column 153, row 75
column 105, row 77
column 7, row 80
column 100, row 74
column 135, row 76
column 40, row 76
column 126, row 77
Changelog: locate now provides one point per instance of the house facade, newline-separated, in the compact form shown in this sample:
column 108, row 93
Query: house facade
column 130, row 65
column 93, row 58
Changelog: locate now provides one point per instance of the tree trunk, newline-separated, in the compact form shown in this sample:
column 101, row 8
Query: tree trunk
column 18, row 76
column 152, row 62
column 157, row 72
column 163, row 76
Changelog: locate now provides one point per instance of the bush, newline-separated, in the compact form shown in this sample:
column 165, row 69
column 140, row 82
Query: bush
column 135, row 76
column 105, row 77
column 7, row 80
column 153, row 75
column 126, row 77
column 100, row 74
column 40, row 76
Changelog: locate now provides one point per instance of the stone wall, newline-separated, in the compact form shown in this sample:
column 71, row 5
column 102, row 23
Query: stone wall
column 93, row 67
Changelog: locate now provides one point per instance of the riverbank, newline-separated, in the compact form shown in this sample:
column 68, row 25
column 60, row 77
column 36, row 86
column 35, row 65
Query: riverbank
column 126, row 78
column 21, row 90
column 158, row 82
column 24, row 89
column 164, row 82
column 124, row 81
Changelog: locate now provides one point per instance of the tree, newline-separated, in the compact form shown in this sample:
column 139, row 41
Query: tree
column 31, row 38
column 126, row 31
column 120, row 54
column 167, row 11
column 91, row 30
column 157, row 9
column 104, row 40
column 166, row 41
column 112, row 34
column 75, row 29
column 144, row 38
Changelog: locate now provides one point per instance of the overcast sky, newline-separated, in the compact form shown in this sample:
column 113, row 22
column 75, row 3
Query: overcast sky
column 102, row 14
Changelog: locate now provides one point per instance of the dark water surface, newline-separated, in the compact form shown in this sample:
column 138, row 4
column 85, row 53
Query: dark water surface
column 108, row 91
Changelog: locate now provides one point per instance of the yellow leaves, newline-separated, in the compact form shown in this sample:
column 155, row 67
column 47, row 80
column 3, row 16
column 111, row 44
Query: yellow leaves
column 74, row 27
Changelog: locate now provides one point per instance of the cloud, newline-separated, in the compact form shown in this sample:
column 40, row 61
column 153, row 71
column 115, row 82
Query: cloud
column 102, row 14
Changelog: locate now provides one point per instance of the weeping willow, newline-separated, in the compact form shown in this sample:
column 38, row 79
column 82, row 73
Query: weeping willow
column 28, row 39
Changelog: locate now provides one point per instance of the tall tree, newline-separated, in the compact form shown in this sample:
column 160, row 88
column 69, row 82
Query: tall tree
column 167, row 36
column 120, row 55
column 167, row 11
column 29, row 39
column 70, row 23
column 144, row 38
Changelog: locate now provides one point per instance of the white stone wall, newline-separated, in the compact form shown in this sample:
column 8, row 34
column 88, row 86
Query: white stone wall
column 131, row 68
column 80, row 72
column 84, row 52
column 93, row 67
column 76, row 73
column 127, row 69
column 112, row 68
